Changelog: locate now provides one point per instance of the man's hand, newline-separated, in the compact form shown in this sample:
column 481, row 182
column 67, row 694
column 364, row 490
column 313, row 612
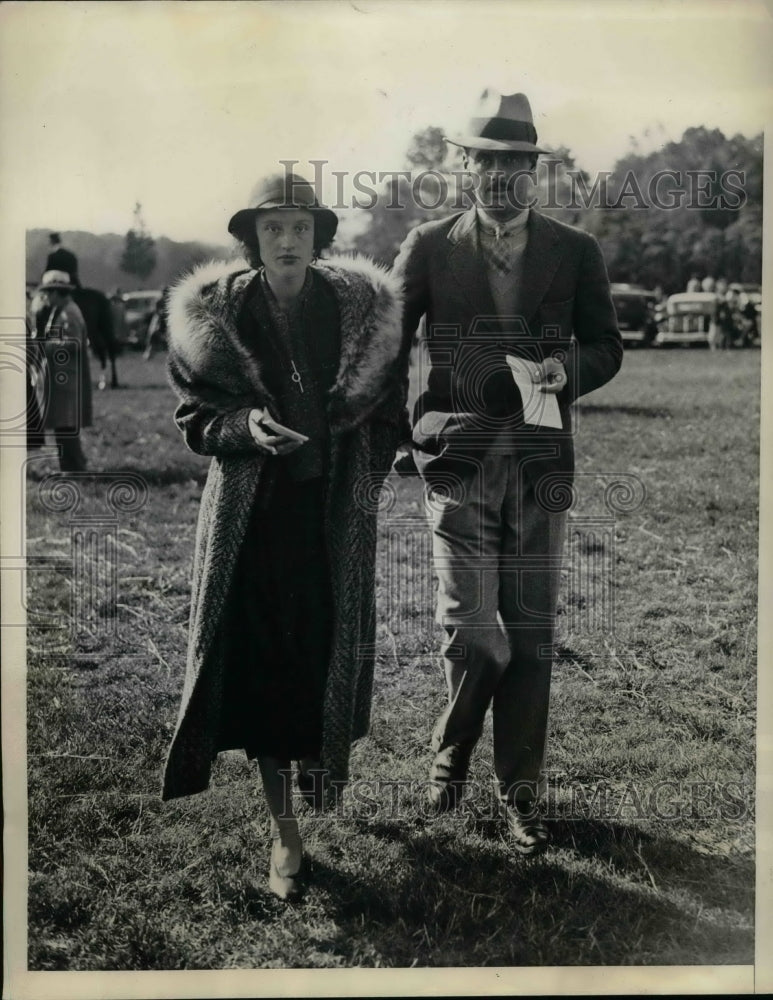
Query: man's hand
column 275, row 444
column 550, row 376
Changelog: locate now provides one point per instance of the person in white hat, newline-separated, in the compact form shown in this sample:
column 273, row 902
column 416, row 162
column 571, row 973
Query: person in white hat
column 500, row 280
column 64, row 379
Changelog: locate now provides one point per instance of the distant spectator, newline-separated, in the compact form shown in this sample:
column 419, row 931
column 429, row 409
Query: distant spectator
column 747, row 320
column 65, row 397
column 723, row 330
column 118, row 310
column 157, row 327
column 707, row 285
column 721, row 287
column 694, row 284
column 61, row 259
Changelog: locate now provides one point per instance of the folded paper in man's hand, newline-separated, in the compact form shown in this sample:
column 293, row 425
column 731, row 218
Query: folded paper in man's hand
column 539, row 408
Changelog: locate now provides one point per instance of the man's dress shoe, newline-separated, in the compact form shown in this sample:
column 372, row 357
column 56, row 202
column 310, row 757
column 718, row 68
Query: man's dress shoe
column 528, row 831
column 448, row 775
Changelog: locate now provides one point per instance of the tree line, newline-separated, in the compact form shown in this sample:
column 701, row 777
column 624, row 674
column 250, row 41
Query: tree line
column 692, row 207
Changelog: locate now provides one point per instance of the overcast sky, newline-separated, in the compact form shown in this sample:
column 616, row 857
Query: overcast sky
column 182, row 106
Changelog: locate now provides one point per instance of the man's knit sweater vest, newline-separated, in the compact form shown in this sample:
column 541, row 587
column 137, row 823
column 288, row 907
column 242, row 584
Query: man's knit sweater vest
column 503, row 248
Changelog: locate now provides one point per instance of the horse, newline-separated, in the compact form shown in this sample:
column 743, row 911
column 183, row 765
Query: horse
column 98, row 317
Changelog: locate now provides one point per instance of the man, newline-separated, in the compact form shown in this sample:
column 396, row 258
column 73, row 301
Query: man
column 694, row 284
column 501, row 280
column 722, row 329
column 61, row 259
column 157, row 327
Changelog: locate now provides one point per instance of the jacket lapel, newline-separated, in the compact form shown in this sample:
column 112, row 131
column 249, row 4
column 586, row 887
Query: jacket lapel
column 370, row 306
column 540, row 263
column 467, row 265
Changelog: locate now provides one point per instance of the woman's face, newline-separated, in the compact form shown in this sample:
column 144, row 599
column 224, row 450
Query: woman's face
column 53, row 298
column 286, row 240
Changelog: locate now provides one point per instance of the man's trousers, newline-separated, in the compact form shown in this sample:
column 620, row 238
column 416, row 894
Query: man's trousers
column 497, row 555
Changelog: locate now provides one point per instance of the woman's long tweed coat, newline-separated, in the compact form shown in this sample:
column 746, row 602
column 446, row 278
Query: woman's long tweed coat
column 64, row 394
column 218, row 380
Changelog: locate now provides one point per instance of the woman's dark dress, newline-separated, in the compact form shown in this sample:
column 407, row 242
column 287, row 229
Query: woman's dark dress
column 280, row 612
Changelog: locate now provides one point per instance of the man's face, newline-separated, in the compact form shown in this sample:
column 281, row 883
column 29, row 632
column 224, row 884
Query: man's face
column 504, row 178
column 286, row 240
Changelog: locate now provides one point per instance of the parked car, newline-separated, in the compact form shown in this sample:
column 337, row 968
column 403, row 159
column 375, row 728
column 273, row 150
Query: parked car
column 689, row 318
column 752, row 293
column 635, row 308
column 138, row 310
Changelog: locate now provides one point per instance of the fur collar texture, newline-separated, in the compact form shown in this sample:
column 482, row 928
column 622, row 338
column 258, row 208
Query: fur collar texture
column 207, row 346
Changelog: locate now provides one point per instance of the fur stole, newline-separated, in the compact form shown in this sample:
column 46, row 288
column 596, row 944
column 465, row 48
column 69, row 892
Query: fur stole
column 207, row 347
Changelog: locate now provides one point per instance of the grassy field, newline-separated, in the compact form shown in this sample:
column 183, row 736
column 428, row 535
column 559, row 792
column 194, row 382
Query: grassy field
column 651, row 755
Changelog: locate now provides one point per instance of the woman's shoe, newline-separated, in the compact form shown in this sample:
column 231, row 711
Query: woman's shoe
column 289, row 888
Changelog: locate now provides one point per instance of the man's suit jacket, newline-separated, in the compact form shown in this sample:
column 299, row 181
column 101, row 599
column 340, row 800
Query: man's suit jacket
column 62, row 259
column 467, row 396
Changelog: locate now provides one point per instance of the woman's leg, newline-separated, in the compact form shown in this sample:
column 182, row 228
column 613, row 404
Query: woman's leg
column 309, row 765
column 312, row 781
column 286, row 852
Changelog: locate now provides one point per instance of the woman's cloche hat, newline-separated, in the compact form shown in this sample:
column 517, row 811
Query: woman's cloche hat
column 501, row 122
column 56, row 281
column 285, row 190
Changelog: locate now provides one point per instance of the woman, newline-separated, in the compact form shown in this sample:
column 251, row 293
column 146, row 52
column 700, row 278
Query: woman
column 61, row 373
column 291, row 374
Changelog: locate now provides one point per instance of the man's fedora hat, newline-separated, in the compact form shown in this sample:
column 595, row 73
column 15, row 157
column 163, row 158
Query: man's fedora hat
column 501, row 121
column 56, row 281
column 286, row 190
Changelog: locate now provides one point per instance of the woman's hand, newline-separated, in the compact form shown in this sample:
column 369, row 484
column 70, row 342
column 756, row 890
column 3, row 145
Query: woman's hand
column 274, row 444
column 404, row 464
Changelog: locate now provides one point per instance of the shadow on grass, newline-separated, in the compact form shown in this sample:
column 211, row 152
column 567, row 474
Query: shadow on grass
column 143, row 387
column 718, row 880
column 567, row 657
column 589, row 900
column 167, row 476
column 655, row 412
